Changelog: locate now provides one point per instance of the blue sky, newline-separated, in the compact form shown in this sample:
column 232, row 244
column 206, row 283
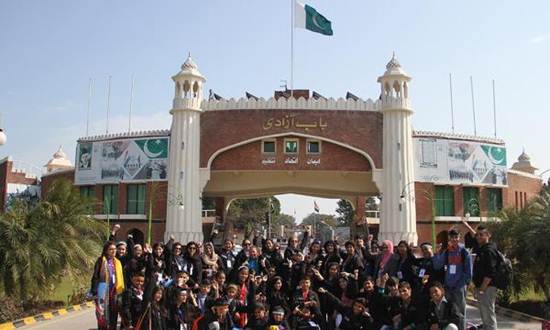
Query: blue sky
column 49, row 50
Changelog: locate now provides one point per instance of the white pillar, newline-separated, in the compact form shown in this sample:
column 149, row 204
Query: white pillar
column 184, row 205
column 398, row 211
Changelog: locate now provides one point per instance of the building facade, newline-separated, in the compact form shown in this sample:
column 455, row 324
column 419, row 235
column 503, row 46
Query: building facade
column 347, row 148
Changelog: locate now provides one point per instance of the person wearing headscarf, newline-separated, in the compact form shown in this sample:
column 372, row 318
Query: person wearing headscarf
column 386, row 262
column 210, row 260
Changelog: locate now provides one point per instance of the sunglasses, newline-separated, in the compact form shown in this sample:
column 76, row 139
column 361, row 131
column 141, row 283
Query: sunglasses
column 247, row 244
column 192, row 248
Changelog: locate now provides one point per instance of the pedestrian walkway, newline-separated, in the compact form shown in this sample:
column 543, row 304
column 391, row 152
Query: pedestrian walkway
column 86, row 320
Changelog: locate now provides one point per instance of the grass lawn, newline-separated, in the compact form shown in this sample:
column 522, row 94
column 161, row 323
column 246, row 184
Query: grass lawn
column 65, row 289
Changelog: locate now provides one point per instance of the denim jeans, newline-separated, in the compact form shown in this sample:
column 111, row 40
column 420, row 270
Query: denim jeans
column 458, row 297
column 487, row 307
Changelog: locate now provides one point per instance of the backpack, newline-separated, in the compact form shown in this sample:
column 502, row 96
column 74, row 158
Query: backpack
column 504, row 272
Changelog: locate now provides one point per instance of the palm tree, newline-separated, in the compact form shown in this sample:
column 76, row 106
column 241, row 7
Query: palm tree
column 41, row 244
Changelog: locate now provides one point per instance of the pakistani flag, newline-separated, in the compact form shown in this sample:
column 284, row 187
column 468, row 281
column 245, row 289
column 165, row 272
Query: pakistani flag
column 308, row 18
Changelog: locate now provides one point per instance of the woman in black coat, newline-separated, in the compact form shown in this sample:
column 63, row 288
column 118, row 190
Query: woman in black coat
column 192, row 263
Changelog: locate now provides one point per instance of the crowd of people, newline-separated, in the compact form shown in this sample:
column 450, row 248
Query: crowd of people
column 309, row 284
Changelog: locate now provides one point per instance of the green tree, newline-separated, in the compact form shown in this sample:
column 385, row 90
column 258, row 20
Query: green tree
column 39, row 245
column 251, row 212
column 320, row 223
column 281, row 220
column 345, row 213
column 521, row 235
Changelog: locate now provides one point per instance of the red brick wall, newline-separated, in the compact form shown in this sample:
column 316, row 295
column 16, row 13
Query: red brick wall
column 48, row 180
column 332, row 157
column 223, row 128
column 525, row 187
column 157, row 230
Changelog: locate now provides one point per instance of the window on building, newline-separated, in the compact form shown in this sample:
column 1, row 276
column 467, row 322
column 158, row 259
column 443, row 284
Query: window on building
column 268, row 146
column 470, row 197
column 135, row 199
column 87, row 191
column 110, row 199
column 291, row 146
column 494, row 200
column 313, row 147
column 444, row 201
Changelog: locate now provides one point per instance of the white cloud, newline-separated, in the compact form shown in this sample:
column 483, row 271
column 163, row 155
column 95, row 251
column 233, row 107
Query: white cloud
column 539, row 38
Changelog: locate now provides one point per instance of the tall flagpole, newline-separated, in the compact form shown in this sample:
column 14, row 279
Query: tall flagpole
column 494, row 109
column 473, row 104
column 452, row 106
column 292, row 48
column 88, row 111
column 108, row 105
column 131, row 100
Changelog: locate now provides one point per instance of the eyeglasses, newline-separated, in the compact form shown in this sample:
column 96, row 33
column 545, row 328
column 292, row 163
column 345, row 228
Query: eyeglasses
column 247, row 243
column 383, row 247
column 177, row 248
column 192, row 248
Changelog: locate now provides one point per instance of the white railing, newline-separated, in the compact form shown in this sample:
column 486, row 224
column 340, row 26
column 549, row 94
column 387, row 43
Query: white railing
column 372, row 214
column 208, row 213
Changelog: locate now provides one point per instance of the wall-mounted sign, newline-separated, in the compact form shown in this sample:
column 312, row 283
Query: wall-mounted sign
column 291, row 121
column 314, row 161
column 459, row 162
column 291, row 160
column 122, row 160
column 268, row 161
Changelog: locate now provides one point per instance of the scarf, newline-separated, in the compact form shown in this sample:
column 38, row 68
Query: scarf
column 210, row 260
column 119, row 275
column 388, row 254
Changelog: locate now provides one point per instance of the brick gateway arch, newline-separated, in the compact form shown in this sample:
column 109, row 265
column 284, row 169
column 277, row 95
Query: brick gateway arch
column 345, row 148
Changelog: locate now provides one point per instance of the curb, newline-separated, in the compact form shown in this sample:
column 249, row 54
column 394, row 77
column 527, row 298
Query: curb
column 45, row 316
column 508, row 313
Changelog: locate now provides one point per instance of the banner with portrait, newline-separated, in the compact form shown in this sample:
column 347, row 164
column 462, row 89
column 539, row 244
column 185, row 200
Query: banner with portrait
column 122, row 160
column 447, row 161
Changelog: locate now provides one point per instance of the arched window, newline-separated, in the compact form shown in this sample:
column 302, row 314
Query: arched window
column 139, row 238
column 186, row 88
column 387, row 88
column 195, row 89
column 397, row 88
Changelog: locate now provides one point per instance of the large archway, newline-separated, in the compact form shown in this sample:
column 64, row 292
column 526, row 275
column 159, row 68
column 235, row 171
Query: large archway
column 313, row 166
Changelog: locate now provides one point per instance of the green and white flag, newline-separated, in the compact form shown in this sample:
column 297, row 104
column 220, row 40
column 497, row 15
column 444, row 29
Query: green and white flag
column 306, row 17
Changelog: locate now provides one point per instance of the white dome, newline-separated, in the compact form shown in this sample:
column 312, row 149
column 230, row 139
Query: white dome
column 189, row 68
column 394, row 67
column 59, row 161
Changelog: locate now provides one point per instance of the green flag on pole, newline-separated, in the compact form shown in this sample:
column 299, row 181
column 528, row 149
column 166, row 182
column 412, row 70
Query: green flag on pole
column 306, row 17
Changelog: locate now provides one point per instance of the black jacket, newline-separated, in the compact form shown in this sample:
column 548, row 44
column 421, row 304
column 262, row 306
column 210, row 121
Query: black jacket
column 451, row 314
column 349, row 320
column 485, row 264
column 132, row 306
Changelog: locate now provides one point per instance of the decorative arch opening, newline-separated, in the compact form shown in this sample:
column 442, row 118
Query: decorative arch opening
column 397, row 88
column 178, row 89
column 139, row 238
column 186, row 88
column 387, row 89
column 294, row 134
column 195, row 89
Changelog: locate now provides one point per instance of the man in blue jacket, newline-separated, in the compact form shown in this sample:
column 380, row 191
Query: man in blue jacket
column 456, row 262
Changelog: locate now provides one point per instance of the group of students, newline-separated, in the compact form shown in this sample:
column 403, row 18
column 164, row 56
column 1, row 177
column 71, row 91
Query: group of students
column 309, row 285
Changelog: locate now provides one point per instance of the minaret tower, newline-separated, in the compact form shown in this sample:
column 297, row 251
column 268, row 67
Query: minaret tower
column 398, row 212
column 183, row 218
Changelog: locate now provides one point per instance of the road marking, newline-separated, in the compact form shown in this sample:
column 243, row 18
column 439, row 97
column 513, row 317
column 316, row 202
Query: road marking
column 57, row 320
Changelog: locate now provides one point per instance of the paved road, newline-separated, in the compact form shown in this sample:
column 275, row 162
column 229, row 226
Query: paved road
column 85, row 319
